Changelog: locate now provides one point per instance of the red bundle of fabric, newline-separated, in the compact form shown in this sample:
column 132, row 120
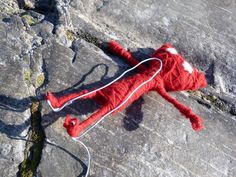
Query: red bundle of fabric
column 176, row 75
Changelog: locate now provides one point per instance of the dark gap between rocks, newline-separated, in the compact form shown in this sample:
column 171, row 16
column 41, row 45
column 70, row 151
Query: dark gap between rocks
column 48, row 8
column 35, row 143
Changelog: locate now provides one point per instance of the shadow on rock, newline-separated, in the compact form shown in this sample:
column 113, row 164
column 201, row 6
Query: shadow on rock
column 74, row 88
column 143, row 53
column 13, row 104
column 134, row 115
column 83, row 107
column 79, row 107
column 14, row 131
column 83, row 165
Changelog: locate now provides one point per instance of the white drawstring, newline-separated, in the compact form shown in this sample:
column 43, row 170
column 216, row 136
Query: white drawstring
column 89, row 156
column 93, row 126
column 81, row 96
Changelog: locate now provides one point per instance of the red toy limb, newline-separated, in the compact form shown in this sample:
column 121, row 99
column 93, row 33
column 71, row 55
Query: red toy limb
column 118, row 50
column 74, row 128
column 71, row 124
column 59, row 102
column 196, row 121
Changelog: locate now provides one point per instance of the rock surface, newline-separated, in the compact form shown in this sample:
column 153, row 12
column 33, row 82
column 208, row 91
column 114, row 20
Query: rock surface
column 21, row 74
column 14, row 92
column 51, row 45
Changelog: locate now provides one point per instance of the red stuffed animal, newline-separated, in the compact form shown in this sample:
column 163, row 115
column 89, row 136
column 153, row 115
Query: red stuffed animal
column 176, row 75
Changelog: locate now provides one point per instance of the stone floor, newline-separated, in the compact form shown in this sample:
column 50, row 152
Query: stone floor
column 53, row 45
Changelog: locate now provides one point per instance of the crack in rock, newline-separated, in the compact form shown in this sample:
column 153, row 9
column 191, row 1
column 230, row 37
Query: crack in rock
column 35, row 143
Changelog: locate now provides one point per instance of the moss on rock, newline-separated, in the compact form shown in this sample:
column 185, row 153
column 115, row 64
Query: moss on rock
column 40, row 80
column 71, row 35
column 29, row 19
column 27, row 76
column 212, row 99
column 35, row 144
column 89, row 38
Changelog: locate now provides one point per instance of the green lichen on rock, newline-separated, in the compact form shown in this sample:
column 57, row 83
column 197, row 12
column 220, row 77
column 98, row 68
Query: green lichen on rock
column 29, row 19
column 196, row 93
column 71, row 35
column 29, row 78
column 35, row 144
column 212, row 99
column 216, row 102
column 27, row 74
column 89, row 38
column 40, row 80
column 9, row 7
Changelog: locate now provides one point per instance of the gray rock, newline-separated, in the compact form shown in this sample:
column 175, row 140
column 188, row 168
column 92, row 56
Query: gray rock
column 204, row 32
column 66, row 68
column 41, row 5
column 163, row 145
column 10, row 7
column 14, row 92
column 21, row 73
column 53, row 48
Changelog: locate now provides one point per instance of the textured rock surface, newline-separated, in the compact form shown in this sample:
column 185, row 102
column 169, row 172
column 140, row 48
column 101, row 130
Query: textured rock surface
column 21, row 74
column 203, row 31
column 163, row 145
column 14, row 104
column 50, row 45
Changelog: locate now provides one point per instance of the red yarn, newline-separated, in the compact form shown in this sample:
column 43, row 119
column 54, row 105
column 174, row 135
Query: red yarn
column 120, row 51
column 176, row 75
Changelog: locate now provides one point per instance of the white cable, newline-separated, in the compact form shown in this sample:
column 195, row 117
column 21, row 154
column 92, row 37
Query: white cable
column 128, row 96
column 69, row 102
column 89, row 156
column 86, row 148
column 81, row 96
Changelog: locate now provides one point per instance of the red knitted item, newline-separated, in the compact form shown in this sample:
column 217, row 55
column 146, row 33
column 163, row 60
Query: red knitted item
column 176, row 75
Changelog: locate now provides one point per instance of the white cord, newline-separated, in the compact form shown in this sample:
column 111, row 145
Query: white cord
column 89, row 156
column 86, row 148
column 81, row 96
column 71, row 101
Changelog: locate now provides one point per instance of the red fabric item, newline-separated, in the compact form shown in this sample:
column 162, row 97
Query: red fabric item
column 176, row 75
column 115, row 48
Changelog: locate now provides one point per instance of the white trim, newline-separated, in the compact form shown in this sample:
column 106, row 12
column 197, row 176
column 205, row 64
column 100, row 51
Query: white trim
column 172, row 51
column 187, row 67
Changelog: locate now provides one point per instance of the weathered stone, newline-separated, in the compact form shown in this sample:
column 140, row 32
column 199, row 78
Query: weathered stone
column 21, row 73
column 10, row 7
column 164, row 144
column 58, row 61
column 14, row 92
column 39, row 5
column 56, row 50
column 202, row 31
